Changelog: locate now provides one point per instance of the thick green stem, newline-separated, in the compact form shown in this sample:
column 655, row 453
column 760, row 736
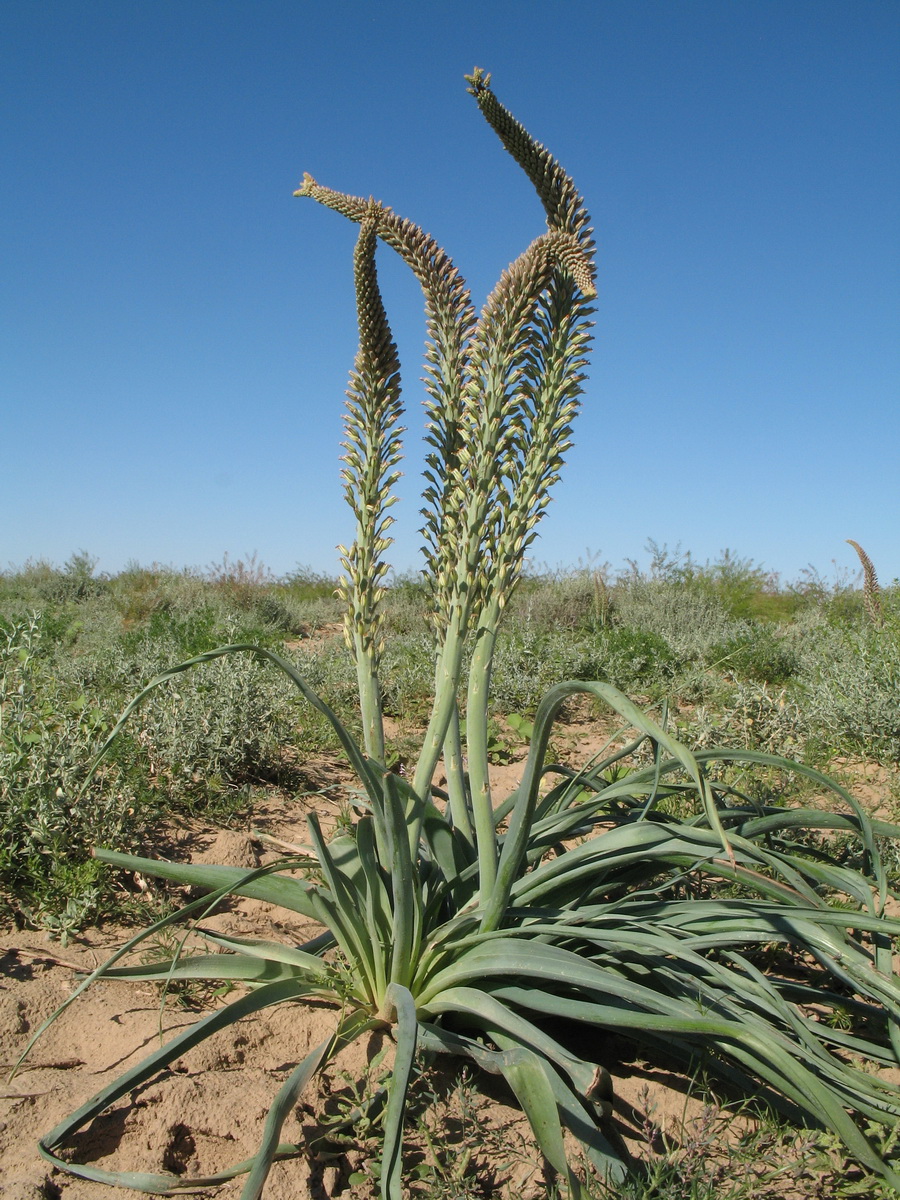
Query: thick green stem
column 477, row 747
column 370, row 701
column 447, row 673
column 457, row 787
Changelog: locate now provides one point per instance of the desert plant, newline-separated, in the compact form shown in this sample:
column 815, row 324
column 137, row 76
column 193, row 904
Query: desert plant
column 755, row 652
column 752, row 716
column 462, row 926
column 871, row 587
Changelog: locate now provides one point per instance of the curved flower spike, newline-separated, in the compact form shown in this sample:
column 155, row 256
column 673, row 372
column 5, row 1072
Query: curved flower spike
column 564, row 206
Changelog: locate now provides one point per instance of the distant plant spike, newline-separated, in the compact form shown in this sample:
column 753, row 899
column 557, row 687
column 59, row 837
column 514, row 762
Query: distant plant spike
column 871, row 587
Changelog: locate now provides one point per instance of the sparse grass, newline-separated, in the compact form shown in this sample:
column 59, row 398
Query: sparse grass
column 821, row 683
column 739, row 1152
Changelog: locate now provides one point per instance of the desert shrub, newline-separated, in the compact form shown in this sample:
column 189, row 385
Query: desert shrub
column 193, row 749
column 195, row 617
column 525, row 661
column 577, row 600
column 220, row 730
column 306, row 584
column 283, row 606
column 631, row 659
column 753, row 716
column 528, row 659
column 850, row 676
column 48, row 735
column 141, row 593
column 226, row 725
column 188, row 632
column 755, row 651
column 42, row 584
column 310, row 597
column 278, row 611
column 690, row 621
column 406, row 606
column 329, row 663
column 408, row 680
column 745, row 589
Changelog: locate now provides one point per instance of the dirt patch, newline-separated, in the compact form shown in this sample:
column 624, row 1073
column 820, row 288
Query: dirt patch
column 208, row 1111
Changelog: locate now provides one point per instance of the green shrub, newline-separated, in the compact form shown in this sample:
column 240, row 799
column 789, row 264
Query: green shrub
column 632, row 659
column 577, row 600
column 527, row 660
column 756, row 652
column 691, row 622
column 48, row 735
column 40, row 583
column 753, row 717
column 850, row 675
column 406, row 607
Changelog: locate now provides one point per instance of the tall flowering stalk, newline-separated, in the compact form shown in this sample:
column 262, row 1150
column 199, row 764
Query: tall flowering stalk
column 373, row 447
column 502, row 394
column 871, row 586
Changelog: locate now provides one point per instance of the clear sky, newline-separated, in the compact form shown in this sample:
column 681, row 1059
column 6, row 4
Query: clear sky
column 177, row 329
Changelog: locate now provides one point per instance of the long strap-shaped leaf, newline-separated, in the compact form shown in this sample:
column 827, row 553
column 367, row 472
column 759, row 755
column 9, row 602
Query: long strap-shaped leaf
column 606, row 1160
column 528, row 1076
column 479, row 1005
column 404, row 884
column 866, row 825
column 760, row 1049
column 264, row 884
column 202, row 905
column 399, row 1000
column 242, row 967
column 296, row 956
column 525, row 1069
column 341, row 913
column 514, row 846
column 348, row 1030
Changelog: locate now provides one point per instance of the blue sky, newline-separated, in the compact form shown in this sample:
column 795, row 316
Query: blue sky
column 177, row 329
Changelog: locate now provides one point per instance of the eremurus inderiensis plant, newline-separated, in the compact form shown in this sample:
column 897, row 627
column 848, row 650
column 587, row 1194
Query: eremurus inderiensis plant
column 461, row 925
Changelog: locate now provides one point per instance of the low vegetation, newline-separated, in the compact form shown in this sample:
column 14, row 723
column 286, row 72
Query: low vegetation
column 809, row 677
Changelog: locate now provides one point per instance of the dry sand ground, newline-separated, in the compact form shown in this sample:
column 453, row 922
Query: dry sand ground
column 208, row 1112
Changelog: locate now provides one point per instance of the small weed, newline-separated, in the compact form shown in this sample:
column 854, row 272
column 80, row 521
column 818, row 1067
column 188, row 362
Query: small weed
column 462, row 1157
column 521, row 726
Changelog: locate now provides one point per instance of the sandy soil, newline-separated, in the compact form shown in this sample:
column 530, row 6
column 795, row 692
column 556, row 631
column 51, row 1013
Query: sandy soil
column 208, row 1112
